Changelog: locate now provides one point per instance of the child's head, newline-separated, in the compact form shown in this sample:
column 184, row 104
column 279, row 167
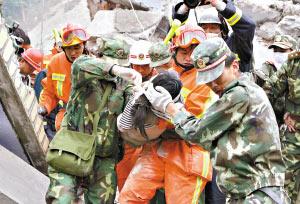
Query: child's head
column 142, row 107
column 170, row 81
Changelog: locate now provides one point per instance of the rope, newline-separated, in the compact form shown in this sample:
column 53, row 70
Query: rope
column 137, row 18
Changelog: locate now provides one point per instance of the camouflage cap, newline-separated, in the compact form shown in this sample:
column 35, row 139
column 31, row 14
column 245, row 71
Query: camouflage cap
column 115, row 51
column 284, row 42
column 209, row 59
column 159, row 54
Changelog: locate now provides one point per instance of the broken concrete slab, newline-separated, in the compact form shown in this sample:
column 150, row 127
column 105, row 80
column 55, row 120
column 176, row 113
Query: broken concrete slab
column 20, row 182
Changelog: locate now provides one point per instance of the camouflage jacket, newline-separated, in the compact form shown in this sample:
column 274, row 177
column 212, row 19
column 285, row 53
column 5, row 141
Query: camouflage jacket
column 90, row 77
column 241, row 132
column 266, row 71
column 262, row 74
column 286, row 82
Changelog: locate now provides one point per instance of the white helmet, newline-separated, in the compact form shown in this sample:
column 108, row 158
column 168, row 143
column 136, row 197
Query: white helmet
column 209, row 15
column 139, row 53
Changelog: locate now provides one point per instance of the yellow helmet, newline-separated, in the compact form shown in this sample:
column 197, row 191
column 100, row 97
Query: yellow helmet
column 73, row 35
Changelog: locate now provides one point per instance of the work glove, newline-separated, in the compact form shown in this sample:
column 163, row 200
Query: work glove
column 158, row 97
column 219, row 4
column 127, row 74
column 42, row 111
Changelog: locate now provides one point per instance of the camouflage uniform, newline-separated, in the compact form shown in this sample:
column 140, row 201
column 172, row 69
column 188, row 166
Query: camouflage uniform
column 91, row 75
column 269, row 68
column 160, row 54
column 239, row 130
column 285, row 82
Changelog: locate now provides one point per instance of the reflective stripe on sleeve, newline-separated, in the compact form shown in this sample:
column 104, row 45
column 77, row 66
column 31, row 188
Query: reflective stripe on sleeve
column 235, row 18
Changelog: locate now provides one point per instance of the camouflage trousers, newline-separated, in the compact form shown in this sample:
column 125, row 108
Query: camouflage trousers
column 99, row 187
column 260, row 197
column 291, row 156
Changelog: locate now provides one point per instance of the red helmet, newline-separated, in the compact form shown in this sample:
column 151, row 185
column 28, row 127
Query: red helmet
column 34, row 57
column 188, row 35
column 73, row 35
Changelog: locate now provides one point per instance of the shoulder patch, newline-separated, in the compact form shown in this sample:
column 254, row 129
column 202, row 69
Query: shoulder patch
column 294, row 55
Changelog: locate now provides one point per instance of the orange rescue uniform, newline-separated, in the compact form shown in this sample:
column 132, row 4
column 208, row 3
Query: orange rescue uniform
column 58, row 86
column 47, row 58
column 182, row 169
column 130, row 156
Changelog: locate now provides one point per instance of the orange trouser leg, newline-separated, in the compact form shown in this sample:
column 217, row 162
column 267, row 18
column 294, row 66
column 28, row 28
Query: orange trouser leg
column 182, row 187
column 59, row 117
column 145, row 178
column 124, row 167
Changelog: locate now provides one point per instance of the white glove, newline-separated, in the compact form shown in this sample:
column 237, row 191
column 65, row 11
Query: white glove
column 158, row 97
column 127, row 74
column 219, row 4
column 137, row 92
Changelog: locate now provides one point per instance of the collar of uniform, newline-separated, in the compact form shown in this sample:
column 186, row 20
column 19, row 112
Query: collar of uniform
column 232, row 84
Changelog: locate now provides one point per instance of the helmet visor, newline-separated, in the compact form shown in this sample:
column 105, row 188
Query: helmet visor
column 188, row 38
column 69, row 36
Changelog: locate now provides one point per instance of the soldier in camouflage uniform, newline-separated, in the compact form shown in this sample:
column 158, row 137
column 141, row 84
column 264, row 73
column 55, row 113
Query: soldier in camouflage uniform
column 160, row 56
column 239, row 129
column 282, row 46
column 285, row 82
column 92, row 76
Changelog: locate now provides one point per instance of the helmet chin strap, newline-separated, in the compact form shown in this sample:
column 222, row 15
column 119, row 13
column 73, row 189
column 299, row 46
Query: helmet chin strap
column 66, row 54
column 85, row 51
column 185, row 67
column 146, row 78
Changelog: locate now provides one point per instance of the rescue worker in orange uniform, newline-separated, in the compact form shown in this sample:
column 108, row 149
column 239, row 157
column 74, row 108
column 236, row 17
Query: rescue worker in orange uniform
column 58, row 84
column 139, row 60
column 196, row 97
column 30, row 64
column 182, row 169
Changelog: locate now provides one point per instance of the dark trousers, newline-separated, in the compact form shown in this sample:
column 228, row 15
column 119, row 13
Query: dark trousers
column 212, row 193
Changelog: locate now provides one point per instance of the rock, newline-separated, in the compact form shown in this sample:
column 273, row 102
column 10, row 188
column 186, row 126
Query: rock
column 261, row 52
column 259, row 12
column 296, row 1
column 138, row 5
column 286, row 8
column 290, row 25
column 102, row 23
column 57, row 16
column 124, row 21
column 291, row 9
column 267, row 31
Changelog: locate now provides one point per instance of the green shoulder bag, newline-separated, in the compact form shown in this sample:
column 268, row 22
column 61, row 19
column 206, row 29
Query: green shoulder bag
column 73, row 152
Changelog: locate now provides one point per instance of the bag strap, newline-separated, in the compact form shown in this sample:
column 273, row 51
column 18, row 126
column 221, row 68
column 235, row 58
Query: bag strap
column 100, row 108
